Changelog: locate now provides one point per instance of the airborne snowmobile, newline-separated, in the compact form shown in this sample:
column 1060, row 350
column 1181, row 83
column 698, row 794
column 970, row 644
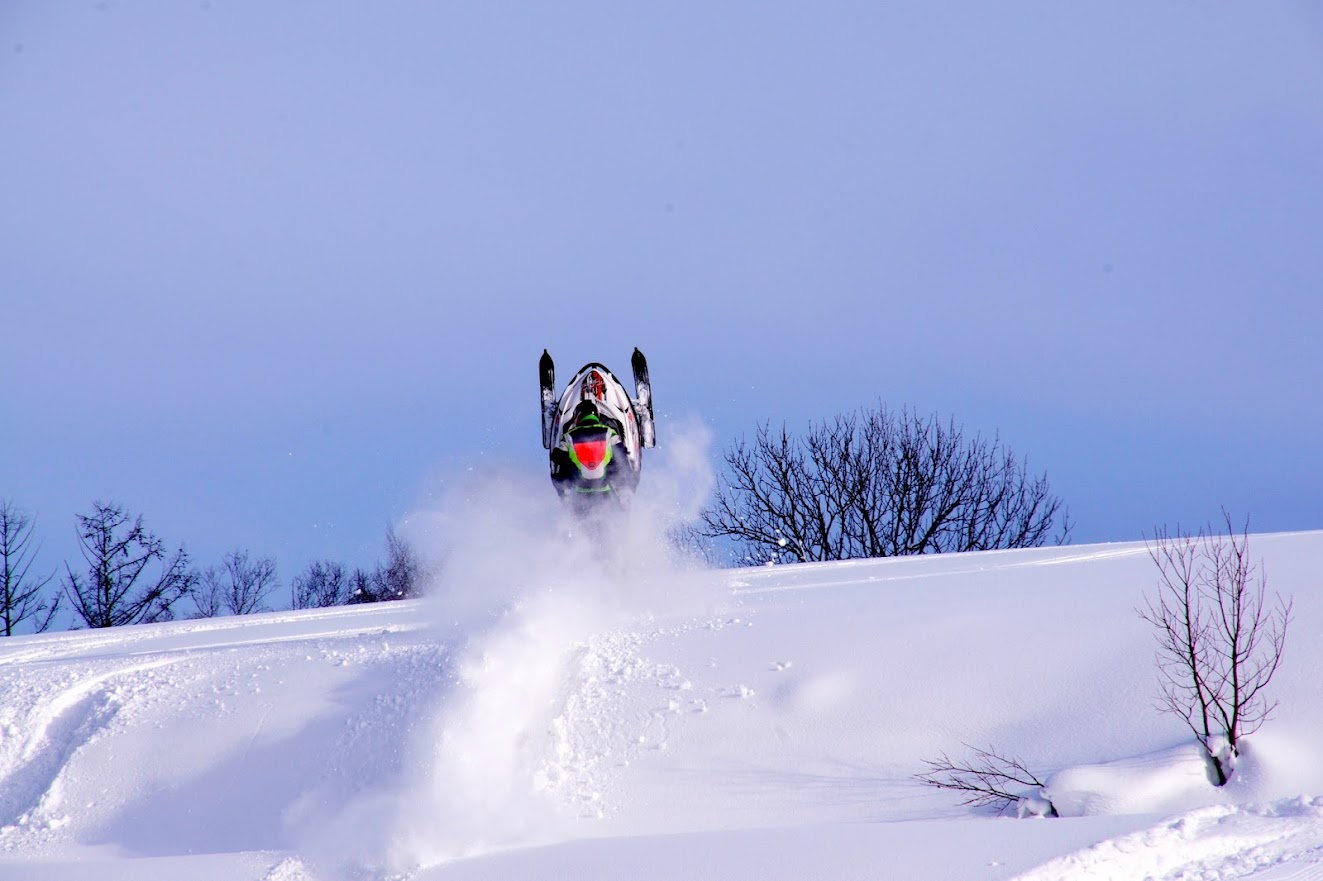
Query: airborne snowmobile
column 596, row 433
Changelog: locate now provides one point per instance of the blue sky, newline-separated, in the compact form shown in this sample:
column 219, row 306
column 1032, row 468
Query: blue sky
column 275, row 274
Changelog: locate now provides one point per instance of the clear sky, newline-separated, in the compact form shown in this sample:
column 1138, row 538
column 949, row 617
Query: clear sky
column 275, row 274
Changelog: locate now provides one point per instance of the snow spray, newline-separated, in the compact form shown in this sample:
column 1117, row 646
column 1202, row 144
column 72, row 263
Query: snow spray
column 520, row 584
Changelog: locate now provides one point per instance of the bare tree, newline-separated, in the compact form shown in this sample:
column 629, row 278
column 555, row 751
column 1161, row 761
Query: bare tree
column 878, row 484
column 990, row 779
column 207, row 595
column 364, row 587
column 324, row 583
column 399, row 577
column 22, row 596
column 1219, row 641
column 117, row 588
column 239, row 585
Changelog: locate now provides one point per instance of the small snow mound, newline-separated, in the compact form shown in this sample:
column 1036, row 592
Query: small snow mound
column 288, row 869
column 1209, row 844
column 1170, row 780
column 1035, row 805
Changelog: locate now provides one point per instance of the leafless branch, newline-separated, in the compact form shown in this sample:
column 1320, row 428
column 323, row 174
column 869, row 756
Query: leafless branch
column 989, row 779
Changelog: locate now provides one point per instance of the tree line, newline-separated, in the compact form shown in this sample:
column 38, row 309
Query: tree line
column 128, row 575
column 873, row 483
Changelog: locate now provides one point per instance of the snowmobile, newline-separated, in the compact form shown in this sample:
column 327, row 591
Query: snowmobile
column 595, row 432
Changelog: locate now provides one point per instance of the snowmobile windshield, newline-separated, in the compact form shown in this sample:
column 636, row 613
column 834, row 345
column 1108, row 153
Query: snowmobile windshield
column 594, row 387
column 590, row 447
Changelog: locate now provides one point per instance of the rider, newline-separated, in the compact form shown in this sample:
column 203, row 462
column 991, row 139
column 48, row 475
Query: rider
column 591, row 456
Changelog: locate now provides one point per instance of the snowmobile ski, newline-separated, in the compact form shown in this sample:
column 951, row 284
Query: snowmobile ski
column 546, row 370
column 643, row 399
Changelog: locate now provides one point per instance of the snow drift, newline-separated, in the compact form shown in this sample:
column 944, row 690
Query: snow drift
column 551, row 711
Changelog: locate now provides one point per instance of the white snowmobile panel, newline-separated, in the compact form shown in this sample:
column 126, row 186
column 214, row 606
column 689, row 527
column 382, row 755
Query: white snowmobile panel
column 597, row 385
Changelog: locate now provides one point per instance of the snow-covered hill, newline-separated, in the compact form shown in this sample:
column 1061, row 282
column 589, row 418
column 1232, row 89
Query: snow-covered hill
column 553, row 711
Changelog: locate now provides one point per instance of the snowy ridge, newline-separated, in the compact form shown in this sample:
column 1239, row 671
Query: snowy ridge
column 643, row 717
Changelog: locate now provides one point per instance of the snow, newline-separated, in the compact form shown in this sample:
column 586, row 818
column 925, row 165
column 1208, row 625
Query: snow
column 554, row 709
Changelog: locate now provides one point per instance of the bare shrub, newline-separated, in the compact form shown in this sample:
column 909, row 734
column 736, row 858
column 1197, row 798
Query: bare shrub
column 1219, row 640
column 990, row 779
column 324, row 583
column 239, row 585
